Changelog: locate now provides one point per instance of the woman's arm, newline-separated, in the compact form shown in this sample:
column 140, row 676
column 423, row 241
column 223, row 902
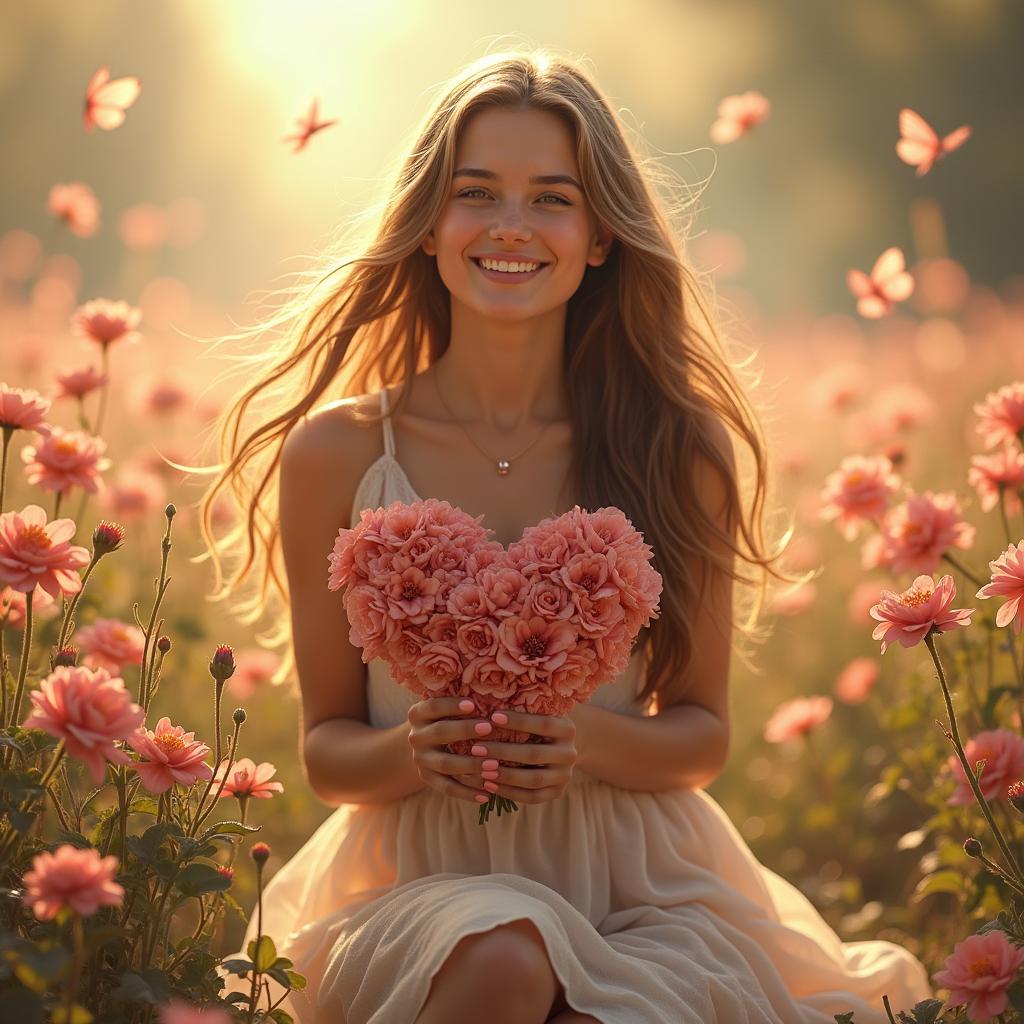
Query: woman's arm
column 348, row 761
column 683, row 747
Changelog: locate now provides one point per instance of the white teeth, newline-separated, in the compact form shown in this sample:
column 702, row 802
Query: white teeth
column 509, row 268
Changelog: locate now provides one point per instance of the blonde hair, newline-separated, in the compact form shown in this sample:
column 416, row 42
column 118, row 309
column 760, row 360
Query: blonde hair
column 646, row 370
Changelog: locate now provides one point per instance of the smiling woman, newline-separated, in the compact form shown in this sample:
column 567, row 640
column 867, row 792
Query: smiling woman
column 625, row 895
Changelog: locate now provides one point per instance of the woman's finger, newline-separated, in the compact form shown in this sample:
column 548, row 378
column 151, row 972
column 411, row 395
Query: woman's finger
column 527, row 796
column 555, row 727
column 449, row 785
column 536, row 754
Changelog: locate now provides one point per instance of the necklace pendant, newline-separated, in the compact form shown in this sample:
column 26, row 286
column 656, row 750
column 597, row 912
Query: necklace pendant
column 503, row 467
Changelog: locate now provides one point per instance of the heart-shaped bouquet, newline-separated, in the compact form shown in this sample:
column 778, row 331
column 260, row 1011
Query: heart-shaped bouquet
column 536, row 628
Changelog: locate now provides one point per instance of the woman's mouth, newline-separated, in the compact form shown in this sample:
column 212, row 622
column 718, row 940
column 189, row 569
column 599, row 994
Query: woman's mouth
column 509, row 276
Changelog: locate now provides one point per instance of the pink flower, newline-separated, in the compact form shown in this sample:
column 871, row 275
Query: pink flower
column 255, row 668
column 23, row 409
column 795, row 717
column 79, row 383
column 531, row 645
column 857, row 680
column 737, row 115
column 1003, row 470
column 79, row 879
column 900, row 408
column 247, row 778
column 75, row 204
column 915, row 535
column 837, row 387
column 134, row 494
column 1001, row 415
column 1003, row 752
column 979, row 971
column 921, row 609
column 165, row 396
column 90, row 710
column 12, row 604
column 177, row 1011
column 34, row 553
column 1007, row 572
column 105, row 321
column 858, row 491
column 64, row 459
column 169, row 755
column 111, row 644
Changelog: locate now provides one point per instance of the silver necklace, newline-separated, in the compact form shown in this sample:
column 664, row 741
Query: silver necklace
column 502, row 465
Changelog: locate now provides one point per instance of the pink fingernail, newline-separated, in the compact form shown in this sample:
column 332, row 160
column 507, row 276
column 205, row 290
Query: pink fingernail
column 492, row 775
column 480, row 798
column 483, row 728
column 466, row 705
column 500, row 718
column 490, row 764
column 491, row 787
column 479, row 750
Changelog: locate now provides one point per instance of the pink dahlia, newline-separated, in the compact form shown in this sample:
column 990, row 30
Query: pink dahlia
column 105, row 321
column 979, row 971
column 858, row 491
column 795, row 717
column 90, row 710
column 79, row 879
column 857, row 680
column 1001, row 415
column 177, row 1011
column 12, row 604
column 64, row 459
column 247, row 778
column 916, row 534
column 1007, row 581
column 111, row 644
column 1002, row 750
column 75, row 204
column 34, row 553
column 1002, row 470
column 922, row 608
column 79, row 383
column 169, row 755
column 23, row 409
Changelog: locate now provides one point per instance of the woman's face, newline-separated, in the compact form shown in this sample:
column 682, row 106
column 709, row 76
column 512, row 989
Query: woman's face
column 504, row 213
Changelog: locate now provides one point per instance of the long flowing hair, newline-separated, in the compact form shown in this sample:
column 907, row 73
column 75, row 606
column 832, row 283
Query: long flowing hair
column 646, row 368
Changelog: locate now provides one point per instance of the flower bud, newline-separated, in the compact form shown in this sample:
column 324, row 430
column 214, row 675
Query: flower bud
column 67, row 656
column 227, row 872
column 259, row 853
column 238, row 716
column 1015, row 794
column 222, row 665
column 163, row 645
column 972, row 847
column 107, row 537
column 170, row 511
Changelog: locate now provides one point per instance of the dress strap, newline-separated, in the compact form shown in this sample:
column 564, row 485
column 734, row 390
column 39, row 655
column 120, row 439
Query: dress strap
column 389, row 433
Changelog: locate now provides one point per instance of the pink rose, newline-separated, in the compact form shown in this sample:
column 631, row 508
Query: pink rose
column 79, row 879
column 979, row 971
column 90, row 710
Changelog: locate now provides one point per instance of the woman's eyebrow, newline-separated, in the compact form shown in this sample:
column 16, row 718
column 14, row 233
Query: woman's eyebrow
column 540, row 179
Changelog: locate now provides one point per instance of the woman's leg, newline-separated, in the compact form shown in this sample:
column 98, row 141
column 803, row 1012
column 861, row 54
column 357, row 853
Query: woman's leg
column 502, row 976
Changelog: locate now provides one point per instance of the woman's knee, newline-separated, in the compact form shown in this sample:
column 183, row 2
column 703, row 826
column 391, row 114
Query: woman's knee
column 515, row 952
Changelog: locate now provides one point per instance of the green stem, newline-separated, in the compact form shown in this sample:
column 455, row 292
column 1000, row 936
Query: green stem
column 954, row 736
column 976, row 580
column 26, row 645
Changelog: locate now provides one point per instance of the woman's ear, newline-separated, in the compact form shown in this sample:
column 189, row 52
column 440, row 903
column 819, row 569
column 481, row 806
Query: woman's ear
column 429, row 244
column 600, row 247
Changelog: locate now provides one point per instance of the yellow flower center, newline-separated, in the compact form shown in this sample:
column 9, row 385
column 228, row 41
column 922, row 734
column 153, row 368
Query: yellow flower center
column 36, row 537
column 915, row 596
column 169, row 741
column 983, row 968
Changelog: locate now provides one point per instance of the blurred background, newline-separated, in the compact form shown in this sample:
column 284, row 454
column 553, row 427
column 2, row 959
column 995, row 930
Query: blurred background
column 202, row 207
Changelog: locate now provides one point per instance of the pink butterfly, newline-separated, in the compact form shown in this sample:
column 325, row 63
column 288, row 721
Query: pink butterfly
column 889, row 282
column 307, row 127
column 738, row 114
column 106, row 101
column 920, row 145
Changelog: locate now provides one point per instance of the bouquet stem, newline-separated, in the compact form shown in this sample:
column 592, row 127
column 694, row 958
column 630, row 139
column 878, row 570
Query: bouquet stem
column 502, row 803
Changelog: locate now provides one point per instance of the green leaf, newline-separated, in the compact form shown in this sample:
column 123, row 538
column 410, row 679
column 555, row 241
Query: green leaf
column 226, row 829
column 926, row 1011
column 941, row 881
column 237, row 965
column 298, row 981
column 281, row 1017
column 75, row 839
column 196, row 879
column 266, row 953
column 151, row 986
column 844, row 1018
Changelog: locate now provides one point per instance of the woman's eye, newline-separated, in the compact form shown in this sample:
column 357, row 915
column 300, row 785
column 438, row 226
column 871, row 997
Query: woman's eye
column 466, row 193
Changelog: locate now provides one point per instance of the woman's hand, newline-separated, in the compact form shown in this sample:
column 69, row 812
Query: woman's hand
column 529, row 773
column 437, row 721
